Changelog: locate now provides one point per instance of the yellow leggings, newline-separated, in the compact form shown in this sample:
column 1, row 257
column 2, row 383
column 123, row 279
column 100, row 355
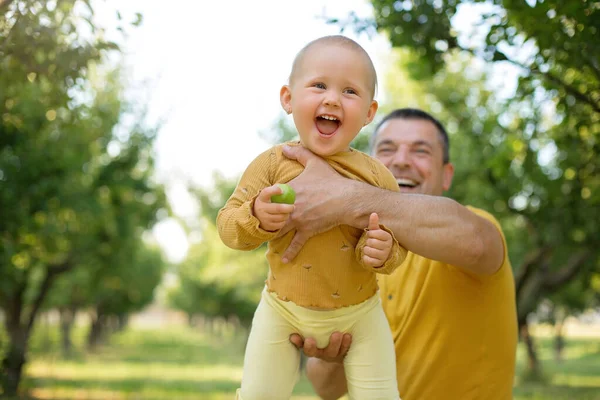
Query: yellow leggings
column 271, row 363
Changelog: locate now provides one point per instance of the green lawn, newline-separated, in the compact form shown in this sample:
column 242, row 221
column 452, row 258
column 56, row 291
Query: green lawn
column 179, row 363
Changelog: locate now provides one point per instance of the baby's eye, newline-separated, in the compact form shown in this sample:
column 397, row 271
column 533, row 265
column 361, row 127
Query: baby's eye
column 320, row 85
column 350, row 91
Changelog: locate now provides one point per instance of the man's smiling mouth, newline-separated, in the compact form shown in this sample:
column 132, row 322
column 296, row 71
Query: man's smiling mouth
column 406, row 183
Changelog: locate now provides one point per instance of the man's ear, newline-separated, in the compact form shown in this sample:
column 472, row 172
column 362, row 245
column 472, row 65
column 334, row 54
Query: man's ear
column 285, row 97
column 447, row 176
column 372, row 111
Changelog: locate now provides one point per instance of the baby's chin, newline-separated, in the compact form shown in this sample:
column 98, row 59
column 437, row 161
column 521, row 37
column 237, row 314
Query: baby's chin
column 325, row 151
column 328, row 152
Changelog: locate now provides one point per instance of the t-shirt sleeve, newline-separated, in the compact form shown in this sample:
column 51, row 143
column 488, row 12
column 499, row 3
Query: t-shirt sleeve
column 505, row 262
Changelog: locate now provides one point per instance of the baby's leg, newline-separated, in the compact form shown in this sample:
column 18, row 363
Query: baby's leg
column 271, row 362
column 371, row 362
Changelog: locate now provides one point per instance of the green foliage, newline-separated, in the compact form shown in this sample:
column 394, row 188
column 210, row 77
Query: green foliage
column 77, row 181
column 214, row 280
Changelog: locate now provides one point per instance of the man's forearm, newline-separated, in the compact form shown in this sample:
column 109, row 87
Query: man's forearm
column 328, row 379
column 435, row 227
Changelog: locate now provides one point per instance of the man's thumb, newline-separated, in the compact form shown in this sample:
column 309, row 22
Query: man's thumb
column 298, row 153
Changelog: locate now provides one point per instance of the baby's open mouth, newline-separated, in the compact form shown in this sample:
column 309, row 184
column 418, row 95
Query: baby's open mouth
column 327, row 124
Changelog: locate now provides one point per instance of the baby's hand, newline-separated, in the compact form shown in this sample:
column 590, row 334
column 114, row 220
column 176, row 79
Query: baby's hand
column 272, row 216
column 379, row 244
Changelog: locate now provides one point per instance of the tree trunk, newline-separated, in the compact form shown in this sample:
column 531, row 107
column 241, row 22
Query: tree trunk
column 123, row 322
column 532, row 358
column 19, row 325
column 559, row 340
column 95, row 331
column 67, row 318
column 14, row 359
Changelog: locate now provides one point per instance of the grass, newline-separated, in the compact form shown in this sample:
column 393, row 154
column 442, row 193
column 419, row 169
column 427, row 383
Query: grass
column 180, row 363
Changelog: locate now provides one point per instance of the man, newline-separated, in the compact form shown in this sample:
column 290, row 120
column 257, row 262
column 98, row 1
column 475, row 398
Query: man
column 451, row 304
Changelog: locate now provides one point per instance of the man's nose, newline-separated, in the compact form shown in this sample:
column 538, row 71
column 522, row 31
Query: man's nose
column 402, row 158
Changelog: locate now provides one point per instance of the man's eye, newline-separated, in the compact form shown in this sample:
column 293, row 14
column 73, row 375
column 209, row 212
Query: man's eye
column 422, row 151
column 385, row 151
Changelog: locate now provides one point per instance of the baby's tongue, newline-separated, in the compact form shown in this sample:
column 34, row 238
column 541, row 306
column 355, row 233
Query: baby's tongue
column 327, row 127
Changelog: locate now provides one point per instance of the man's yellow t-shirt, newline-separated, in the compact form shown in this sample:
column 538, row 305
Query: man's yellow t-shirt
column 455, row 332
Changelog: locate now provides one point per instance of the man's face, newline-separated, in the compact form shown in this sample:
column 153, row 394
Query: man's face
column 412, row 150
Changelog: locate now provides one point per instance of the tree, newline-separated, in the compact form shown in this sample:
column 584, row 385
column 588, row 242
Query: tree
column 60, row 135
column 215, row 281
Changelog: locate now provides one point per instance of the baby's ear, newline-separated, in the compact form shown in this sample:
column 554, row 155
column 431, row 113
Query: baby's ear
column 285, row 97
column 372, row 111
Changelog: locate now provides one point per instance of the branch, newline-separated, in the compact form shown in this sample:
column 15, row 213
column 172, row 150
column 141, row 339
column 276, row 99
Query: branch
column 569, row 88
column 593, row 64
column 51, row 273
column 566, row 273
column 532, row 259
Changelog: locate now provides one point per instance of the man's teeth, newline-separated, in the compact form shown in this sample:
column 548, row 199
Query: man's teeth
column 329, row 117
column 406, row 182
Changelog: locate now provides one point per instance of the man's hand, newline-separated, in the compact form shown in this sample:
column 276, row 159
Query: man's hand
column 319, row 198
column 334, row 352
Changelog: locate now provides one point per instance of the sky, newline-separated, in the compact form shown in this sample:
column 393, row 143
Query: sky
column 211, row 71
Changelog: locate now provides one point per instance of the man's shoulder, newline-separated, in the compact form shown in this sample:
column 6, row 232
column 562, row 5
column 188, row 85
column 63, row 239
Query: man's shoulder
column 486, row 215
column 481, row 212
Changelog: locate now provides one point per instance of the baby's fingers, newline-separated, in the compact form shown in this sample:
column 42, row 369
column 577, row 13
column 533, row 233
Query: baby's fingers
column 377, row 254
column 265, row 195
column 379, row 234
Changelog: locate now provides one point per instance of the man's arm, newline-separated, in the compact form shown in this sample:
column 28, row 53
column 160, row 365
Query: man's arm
column 435, row 227
column 324, row 367
column 328, row 379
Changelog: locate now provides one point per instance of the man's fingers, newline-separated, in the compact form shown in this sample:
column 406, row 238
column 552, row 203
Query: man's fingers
column 294, row 248
column 298, row 153
column 310, row 348
column 346, row 343
column 333, row 348
column 297, row 340
column 373, row 222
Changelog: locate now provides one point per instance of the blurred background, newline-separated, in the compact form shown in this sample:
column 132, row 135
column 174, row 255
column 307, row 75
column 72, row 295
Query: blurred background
column 124, row 126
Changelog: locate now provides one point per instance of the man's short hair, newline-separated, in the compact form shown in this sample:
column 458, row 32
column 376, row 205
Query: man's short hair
column 414, row 113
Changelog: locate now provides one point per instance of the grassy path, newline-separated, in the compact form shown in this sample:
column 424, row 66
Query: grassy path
column 179, row 363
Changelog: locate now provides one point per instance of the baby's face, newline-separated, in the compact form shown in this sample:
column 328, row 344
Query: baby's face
column 331, row 97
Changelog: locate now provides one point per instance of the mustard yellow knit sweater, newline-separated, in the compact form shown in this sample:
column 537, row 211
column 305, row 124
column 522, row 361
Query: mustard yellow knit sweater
column 328, row 272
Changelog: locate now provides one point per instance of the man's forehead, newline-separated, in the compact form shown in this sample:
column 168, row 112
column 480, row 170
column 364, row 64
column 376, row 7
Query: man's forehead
column 409, row 130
